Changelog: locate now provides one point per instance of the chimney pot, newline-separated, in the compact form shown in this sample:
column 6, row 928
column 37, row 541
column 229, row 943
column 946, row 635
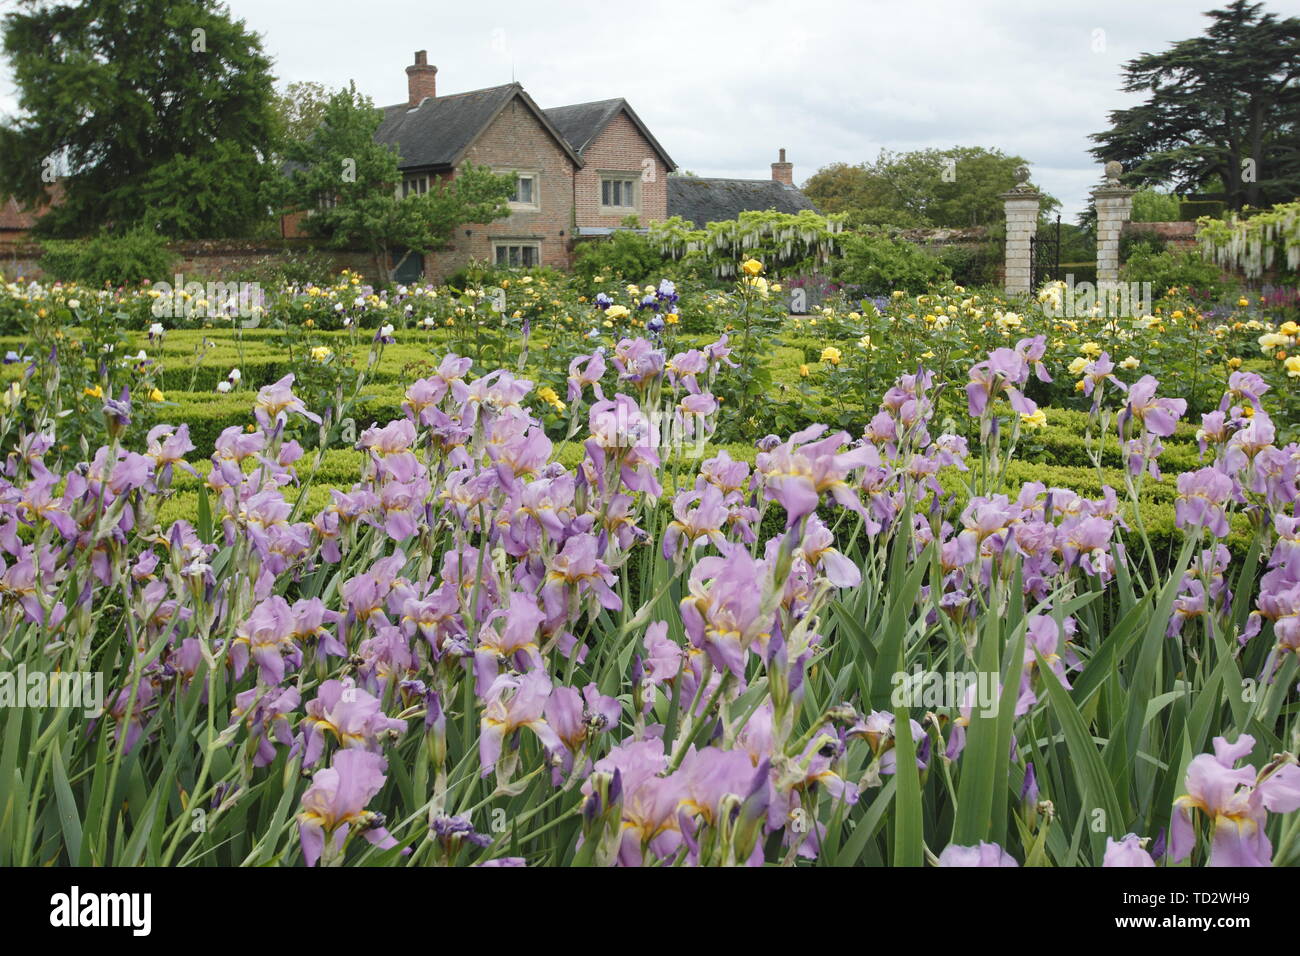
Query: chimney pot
column 421, row 79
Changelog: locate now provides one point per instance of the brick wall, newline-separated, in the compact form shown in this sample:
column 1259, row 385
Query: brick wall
column 18, row 260
column 1177, row 235
column 215, row 258
column 620, row 147
column 516, row 140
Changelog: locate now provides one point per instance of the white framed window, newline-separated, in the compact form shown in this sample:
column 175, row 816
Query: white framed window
column 525, row 194
column 517, row 255
column 415, row 186
column 619, row 192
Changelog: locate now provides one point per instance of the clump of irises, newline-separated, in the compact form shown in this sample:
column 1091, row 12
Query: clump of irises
column 633, row 638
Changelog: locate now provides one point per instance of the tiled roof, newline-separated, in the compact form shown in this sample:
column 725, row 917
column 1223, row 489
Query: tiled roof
column 703, row 201
column 440, row 129
column 581, row 123
column 14, row 218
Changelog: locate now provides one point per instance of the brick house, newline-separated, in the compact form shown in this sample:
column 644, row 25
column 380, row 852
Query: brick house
column 579, row 170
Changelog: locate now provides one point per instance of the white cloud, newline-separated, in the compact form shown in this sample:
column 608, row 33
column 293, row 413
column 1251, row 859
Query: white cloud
column 723, row 84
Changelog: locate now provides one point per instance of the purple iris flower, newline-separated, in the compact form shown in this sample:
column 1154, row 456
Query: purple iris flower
column 335, row 806
column 1235, row 801
column 1202, row 497
column 1127, row 851
column 986, row 854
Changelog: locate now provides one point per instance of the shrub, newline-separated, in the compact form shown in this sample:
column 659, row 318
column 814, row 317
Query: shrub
column 880, row 265
column 106, row 259
column 1151, row 205
column 624, row 255
column 1167, row 270
column 972, row 265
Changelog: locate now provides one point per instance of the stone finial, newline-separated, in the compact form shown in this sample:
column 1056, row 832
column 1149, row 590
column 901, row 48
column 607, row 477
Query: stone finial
column 1021, row 189
column 1114, row 171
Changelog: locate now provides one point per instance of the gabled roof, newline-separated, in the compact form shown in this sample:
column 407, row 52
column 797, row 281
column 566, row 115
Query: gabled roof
column 440, row 130
column 582, row 123
column 15, row 218
column 703, row 201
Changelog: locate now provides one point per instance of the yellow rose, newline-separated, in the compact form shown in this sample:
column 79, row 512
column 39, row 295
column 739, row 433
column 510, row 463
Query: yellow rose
column 752, row 267
column 1037, row 420
column 803, row 371
column 831, row 354
column 155, row 396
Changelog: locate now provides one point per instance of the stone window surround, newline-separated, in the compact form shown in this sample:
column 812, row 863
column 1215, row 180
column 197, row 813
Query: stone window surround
column 623, row 175
column 505, row 242
column 536, row 176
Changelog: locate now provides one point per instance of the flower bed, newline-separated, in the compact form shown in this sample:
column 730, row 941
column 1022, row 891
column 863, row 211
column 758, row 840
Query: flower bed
column 549, row 612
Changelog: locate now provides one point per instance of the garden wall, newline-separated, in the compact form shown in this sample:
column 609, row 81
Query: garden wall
column 1177, row 235
column 207, row 258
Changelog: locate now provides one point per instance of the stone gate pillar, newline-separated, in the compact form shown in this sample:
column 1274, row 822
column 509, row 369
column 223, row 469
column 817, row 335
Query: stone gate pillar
column 1021, row 205
column 1114, row 204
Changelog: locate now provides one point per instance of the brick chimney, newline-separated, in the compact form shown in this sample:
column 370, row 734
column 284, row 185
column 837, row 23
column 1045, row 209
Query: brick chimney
column 782, row 171
column 421, row 79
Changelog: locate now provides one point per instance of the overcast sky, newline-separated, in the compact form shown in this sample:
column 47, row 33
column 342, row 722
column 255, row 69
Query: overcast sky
column 724, row 84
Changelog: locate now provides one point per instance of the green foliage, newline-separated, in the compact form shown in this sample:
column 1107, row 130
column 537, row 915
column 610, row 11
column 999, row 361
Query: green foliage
column 625, row 255
column 878, row 264
column 106, row 259
column 971, row 265
column 951, row 188
column 1170, row 270
column 1152, row 205
column 300, row 109
column 141, row 112
column 1220, row 111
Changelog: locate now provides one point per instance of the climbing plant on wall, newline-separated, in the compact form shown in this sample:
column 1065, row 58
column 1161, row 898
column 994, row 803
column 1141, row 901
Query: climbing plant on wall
column 1252, row 245
column 782, row 241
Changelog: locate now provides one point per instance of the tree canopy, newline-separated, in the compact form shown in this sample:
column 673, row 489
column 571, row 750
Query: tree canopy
column 951, row 188
column 153, row 113
column 1222, row 112
column 300, row 109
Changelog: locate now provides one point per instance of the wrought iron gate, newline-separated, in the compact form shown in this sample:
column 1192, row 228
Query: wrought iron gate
column 1045, row 255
